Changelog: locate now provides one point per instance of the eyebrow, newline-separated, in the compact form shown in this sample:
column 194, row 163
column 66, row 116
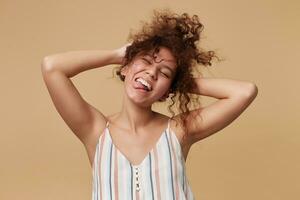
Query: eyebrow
column 163, row 64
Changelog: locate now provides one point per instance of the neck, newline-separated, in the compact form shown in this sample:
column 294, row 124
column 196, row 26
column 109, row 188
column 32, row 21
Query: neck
column 134, row 116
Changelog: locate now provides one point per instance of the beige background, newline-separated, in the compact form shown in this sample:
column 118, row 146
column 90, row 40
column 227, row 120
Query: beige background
column 253, row 158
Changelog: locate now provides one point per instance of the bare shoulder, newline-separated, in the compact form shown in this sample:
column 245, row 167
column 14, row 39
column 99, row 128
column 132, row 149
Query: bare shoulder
column 92, row 140
column 177, row 129
column 175, row 126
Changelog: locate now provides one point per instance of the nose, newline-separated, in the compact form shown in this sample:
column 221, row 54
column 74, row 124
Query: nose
column 151, row 71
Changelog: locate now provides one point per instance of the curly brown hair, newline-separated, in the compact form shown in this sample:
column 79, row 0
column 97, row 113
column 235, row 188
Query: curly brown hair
column 180, row 34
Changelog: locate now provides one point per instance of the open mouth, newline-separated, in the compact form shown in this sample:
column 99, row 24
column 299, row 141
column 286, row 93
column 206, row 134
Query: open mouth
column 141, row 84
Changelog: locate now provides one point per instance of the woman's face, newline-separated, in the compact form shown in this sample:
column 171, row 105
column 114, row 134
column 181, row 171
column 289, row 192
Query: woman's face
column 157, row 72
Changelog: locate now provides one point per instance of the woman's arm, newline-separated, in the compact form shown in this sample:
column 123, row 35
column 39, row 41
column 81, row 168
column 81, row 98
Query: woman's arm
column 233, row 96
column 221, row 88
column 82, row 118
column 72, row 63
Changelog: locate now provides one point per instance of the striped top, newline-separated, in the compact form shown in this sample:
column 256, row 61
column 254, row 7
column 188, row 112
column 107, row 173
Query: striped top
column 160, row 176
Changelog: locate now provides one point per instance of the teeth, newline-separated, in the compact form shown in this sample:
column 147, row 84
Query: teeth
column 144, row 83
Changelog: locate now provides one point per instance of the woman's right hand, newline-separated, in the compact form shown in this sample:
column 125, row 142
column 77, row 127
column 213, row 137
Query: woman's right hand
column 120, row 52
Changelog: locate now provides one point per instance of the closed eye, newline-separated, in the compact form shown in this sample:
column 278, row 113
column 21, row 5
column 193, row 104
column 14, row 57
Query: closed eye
column 150, row 63
column 146, row 60
column 165, row 74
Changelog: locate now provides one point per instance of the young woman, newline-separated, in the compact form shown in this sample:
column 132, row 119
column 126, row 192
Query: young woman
column 138, row 153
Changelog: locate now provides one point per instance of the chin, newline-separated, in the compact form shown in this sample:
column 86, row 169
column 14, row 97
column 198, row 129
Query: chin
column 142, row 103
column 138, row 100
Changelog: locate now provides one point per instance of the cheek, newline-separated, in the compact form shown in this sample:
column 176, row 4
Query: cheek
column 165, row 85
column 133, row 69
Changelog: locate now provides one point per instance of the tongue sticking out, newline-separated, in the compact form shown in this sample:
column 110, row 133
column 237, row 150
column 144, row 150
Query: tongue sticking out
column 141, row 86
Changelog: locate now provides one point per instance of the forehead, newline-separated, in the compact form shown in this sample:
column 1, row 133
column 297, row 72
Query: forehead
column 163, row 54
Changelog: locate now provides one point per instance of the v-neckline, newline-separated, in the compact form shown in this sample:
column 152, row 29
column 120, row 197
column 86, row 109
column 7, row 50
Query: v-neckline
column 147, row 155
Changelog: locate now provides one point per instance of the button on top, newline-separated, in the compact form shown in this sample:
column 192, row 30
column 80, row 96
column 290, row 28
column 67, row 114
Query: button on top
column 137, row 178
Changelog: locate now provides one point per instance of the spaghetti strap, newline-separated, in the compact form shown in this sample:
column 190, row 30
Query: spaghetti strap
column 107, row 123
column 169, row 124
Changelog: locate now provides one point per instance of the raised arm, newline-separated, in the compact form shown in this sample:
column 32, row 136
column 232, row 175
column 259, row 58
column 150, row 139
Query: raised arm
column 57, row 69
column 234, row 96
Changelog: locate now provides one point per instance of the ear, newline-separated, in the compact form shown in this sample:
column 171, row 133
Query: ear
column 124, row 70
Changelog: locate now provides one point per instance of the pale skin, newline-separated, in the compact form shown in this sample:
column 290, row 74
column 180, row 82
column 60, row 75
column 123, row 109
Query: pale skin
column 136, row 128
